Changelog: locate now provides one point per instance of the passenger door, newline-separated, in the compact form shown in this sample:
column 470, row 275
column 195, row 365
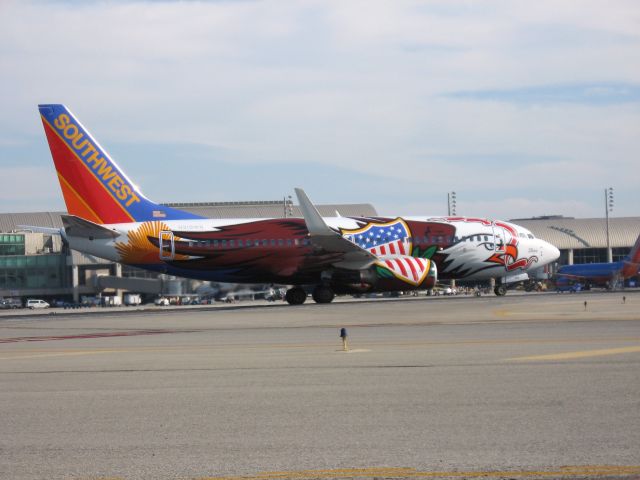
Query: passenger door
column 167, row 245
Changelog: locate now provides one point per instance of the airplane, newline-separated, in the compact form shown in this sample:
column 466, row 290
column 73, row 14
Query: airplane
column 606, row 275
column 109, row 217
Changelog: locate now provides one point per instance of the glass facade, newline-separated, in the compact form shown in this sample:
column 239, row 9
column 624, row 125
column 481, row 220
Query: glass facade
column 590, row 255
column 11, row 244
column 619, row 253
column 39, row 271
column 19, row 271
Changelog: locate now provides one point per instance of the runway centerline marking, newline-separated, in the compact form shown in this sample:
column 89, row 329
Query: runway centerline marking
column 586, row 471
column 580, row 354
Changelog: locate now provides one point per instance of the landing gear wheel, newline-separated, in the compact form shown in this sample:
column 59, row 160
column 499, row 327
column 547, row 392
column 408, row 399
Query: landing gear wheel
column 322, row 294
column 296, row 296
column 500, row 290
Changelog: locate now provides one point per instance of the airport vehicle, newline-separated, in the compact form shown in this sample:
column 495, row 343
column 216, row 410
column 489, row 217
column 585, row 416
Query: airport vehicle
column 161, row 302
column 132, row 299
column 109, row 217
column 569, row 287
column 605, row 275
column 36, row 303
column 10, row 303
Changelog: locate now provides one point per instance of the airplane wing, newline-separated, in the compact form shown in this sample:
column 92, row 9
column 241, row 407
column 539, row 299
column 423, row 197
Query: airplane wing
column 352, row 257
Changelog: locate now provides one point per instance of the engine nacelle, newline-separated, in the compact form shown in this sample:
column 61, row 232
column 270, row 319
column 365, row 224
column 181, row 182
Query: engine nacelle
column 411, row 273
column 354, row 280
column 389, row 273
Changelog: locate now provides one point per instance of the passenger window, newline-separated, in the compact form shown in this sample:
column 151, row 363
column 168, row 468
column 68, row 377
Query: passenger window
column 248, row 242
column 296, row 241
column 224, row 243
column 280, row 242
column 265, row 243
column 232, row 243
column 288, row 242
column 215, row 243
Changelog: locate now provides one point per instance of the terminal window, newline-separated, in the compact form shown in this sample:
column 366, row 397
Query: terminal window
column 11, row 244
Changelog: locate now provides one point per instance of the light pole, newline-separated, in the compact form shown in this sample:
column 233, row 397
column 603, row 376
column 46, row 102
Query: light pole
column 608, row 207
column 451, row 203
column 451, row 210
column 287, row 204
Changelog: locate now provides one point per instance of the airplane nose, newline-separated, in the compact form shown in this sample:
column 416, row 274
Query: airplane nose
column 551, row 253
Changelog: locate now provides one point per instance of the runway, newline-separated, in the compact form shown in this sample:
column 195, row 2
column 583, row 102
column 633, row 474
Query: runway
column 530, row 386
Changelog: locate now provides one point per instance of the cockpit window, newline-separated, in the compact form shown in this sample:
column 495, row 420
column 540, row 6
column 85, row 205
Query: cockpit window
column 523, row 235
column 531, row 236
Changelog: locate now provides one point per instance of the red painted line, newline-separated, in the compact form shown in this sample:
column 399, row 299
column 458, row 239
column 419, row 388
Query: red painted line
column 88, row 335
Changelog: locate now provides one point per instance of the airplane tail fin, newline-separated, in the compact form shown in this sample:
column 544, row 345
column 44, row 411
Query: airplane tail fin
column 632, row 261
column 94, row 187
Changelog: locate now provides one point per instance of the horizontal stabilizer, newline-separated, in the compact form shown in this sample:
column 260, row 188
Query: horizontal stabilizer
column 79, row 227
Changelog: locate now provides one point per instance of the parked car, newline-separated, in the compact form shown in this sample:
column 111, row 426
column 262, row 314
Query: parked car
column 162, row 302
column 573, row 288
column 36, row 303
column 10, row 303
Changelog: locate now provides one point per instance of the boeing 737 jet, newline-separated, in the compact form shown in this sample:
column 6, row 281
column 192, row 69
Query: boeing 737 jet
column 606, row 275
column 109, row 217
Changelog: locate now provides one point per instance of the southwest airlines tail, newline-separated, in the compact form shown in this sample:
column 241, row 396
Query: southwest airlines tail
column 631, row 262
column 93, row 185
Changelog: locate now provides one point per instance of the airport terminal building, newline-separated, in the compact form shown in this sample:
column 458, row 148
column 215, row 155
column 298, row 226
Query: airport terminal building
column 34, row 264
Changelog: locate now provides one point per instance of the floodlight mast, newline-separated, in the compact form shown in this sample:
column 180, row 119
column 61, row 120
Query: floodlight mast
column 608, row 208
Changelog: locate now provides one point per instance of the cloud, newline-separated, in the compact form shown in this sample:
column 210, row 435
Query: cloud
column 594, row 94
column 367, row 89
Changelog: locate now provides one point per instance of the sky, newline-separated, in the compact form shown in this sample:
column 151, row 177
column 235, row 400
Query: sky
column 522, row 108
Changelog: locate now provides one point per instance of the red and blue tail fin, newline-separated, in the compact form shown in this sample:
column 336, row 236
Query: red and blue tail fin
column 634, row 254
column 93, row 185
column 631, row 262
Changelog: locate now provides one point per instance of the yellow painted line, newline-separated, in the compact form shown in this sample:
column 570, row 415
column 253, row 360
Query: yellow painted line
column 17, row 354
column 581, row 354
column 564, row 472
column 59, row 354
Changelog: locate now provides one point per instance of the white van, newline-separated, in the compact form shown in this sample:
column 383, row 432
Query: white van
column 35, row 303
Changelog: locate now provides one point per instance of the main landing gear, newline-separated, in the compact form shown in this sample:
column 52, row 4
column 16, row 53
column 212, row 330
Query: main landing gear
column 500, row 290
column 321, row 294
column 295, row 296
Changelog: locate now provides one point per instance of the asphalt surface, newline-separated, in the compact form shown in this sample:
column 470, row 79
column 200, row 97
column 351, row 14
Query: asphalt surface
column 532, row 386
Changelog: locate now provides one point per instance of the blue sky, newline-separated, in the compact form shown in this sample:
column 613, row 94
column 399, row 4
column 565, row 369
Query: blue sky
column 522, row 108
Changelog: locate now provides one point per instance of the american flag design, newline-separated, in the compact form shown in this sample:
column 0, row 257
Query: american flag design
column 408, row 269
column 382, row 239
column 391, row 243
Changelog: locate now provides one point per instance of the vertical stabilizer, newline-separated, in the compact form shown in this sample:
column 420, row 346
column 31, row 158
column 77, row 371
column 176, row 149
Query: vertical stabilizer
column 93, row 185
column 631, row 262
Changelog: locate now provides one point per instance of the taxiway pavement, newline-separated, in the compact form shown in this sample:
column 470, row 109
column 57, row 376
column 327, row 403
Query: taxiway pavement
column 525, row 387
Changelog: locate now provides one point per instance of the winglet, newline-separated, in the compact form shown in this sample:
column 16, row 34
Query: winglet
column 315, row 224
column 353, row 257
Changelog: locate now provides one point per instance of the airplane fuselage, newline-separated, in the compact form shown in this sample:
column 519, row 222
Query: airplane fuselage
column 280, row 251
